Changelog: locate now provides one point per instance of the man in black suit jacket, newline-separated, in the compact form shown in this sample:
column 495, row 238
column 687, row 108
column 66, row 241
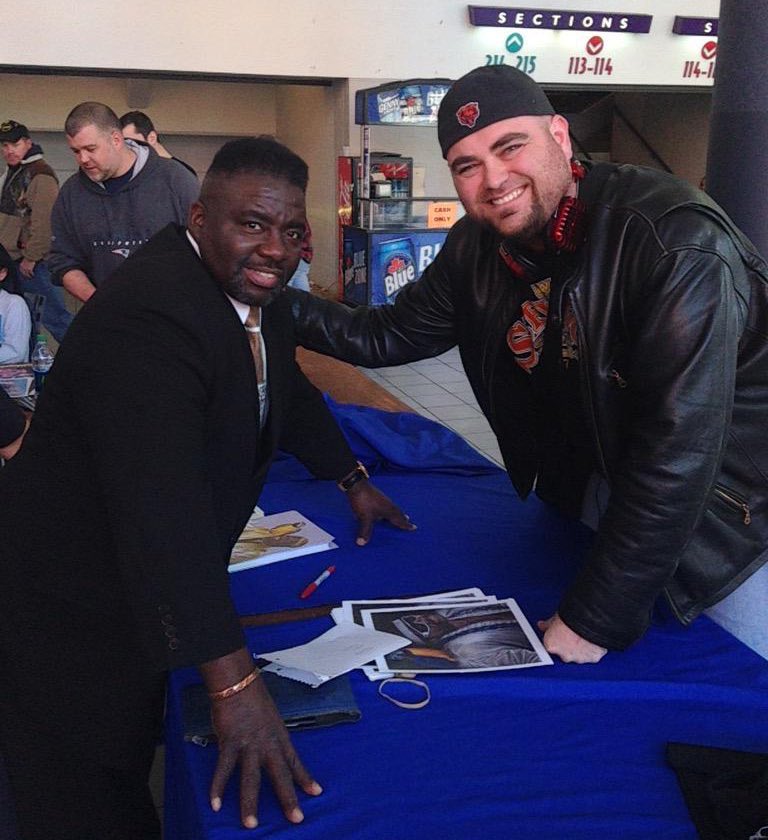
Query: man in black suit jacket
column 140, row 469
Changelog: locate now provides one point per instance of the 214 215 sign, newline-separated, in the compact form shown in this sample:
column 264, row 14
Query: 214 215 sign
column 578, row 65
column 524, row 63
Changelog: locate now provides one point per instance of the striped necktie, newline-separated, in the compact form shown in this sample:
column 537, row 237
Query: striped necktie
column 255, row 339
column 253, row 327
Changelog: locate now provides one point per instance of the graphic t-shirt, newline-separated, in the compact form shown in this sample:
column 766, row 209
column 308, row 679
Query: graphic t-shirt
column 544, row 343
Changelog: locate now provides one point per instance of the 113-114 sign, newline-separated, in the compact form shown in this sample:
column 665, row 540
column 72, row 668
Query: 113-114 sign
column 578, row 65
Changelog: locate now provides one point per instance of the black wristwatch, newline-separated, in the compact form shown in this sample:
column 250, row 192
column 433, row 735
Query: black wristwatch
column 350, row 479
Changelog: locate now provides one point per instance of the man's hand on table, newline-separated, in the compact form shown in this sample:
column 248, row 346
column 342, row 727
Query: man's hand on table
column 370, row 506
column 561, row 641
column 251, row 733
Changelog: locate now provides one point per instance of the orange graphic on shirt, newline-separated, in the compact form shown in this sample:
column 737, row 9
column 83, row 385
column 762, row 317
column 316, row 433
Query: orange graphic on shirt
column 525, row 338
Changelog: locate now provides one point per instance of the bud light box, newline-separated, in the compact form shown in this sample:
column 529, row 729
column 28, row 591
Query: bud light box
column 377, row 265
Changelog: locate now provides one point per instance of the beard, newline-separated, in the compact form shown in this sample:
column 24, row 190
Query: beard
column 532, row 229
column 527, row 233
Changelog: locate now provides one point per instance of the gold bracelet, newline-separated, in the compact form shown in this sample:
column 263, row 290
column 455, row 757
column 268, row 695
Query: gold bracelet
column 236, row 688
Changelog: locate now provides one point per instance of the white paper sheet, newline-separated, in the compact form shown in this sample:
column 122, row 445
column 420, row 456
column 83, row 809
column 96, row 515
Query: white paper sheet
column 340, row 649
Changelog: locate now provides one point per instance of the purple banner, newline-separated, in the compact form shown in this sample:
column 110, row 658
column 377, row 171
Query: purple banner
column 694, row 26
column 554, row 19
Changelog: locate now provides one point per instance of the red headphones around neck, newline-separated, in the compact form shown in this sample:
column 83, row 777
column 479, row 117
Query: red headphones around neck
column 568, row 226
column 565, row 231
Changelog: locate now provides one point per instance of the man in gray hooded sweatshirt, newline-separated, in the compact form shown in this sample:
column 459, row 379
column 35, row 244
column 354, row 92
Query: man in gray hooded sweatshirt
column 122, row 195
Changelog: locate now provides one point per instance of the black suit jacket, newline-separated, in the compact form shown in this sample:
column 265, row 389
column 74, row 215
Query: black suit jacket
column 145, row 446
column 11, row 419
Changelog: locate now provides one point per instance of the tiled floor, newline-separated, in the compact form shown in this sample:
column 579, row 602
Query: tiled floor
column 438, row 389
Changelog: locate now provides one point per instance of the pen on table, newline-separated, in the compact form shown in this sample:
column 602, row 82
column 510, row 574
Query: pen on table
column 311, row 587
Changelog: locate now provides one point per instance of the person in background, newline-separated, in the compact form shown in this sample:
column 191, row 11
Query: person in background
column 29, row 190
column 611, row 321
column 15, row 320
column 15, row 328
column 152, row 440
column 136, row 125
column 120, row 197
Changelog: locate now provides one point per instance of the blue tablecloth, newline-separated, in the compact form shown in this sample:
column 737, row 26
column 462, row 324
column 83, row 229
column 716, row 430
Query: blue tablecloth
column 562, row 751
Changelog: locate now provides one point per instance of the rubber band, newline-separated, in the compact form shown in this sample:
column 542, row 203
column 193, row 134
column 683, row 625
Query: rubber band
column 403, row 704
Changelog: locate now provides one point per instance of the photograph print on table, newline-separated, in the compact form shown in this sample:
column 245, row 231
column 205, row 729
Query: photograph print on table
column 459, row 638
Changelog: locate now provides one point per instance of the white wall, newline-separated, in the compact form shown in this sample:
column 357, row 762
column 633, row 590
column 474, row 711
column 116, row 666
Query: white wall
column 334, row 39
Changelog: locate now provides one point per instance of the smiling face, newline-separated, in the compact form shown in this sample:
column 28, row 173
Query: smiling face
column 249, row 228
column 512, row 174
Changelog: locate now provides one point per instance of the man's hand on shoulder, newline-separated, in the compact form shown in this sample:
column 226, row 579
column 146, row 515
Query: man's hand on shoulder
column 561, row 641
column 370, row 506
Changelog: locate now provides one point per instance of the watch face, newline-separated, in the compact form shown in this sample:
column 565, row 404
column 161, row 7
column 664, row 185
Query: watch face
column 358, row 474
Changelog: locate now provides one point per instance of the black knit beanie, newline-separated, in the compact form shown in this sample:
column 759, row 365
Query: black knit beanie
column 485, row 96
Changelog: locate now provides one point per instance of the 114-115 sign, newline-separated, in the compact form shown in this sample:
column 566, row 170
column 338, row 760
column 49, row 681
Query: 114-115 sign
column 704, row 69
column 699, row 70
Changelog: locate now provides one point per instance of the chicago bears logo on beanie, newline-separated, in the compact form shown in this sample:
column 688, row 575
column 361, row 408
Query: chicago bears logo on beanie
column 485, row 96
column 467, row 115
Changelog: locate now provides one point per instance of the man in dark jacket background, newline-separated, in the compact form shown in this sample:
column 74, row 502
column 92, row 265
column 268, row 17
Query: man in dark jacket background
column 611, row 321
column 122, row 194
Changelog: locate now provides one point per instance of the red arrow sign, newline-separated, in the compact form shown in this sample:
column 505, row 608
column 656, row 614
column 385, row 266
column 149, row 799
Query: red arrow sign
column 709, row 50
column 595, row 45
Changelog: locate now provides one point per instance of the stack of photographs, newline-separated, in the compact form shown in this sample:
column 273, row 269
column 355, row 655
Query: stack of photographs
column 450, row 632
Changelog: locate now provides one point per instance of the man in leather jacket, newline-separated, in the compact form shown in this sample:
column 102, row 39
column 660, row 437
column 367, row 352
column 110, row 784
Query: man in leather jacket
column 612, row 323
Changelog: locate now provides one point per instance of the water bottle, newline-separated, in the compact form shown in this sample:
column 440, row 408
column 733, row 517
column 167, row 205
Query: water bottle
column 42, row 359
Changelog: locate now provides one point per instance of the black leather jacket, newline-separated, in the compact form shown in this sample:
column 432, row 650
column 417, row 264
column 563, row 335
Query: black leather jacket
column 671, row 305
